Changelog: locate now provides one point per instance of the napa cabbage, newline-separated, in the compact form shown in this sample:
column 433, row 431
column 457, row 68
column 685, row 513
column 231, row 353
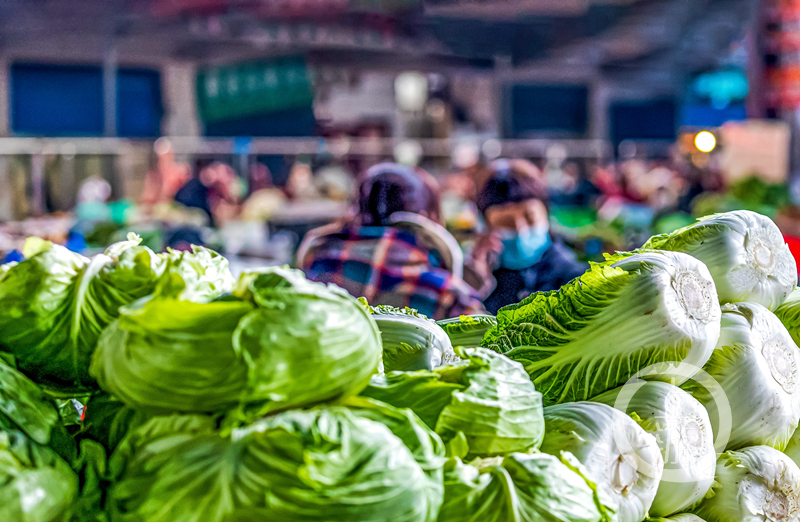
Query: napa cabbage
column 683, row 431
column 751, row 384
column 745, row 253
column 758, row 483
column 619, row 455
column 617, row 319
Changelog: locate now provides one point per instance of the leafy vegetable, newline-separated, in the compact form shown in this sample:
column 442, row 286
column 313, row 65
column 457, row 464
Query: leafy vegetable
column 745, row 253
column 618, row 318
column 682, row 429
column 324, row 464
column 755, row 483
column 35, row 484
column 620, row 457
column 467, row 330
column 286, row 345
column 522, row 488
column 756, row 367
column 410, row 340
column 24, row 406
column 789, row 314
column 486, row 401
column 680, row 517
column 55, row 304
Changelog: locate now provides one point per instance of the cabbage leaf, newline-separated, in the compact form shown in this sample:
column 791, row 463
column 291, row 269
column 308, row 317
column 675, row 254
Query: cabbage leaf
column 618, row 318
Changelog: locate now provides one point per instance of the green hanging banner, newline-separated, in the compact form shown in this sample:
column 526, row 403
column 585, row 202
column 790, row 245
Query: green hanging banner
column 251, row 88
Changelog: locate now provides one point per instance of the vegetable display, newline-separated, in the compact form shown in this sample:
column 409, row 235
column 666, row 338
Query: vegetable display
column 756, row 366
column 755, row 483
column 628, row 473
column 683, row 432
column 745, row 253
column 620, row 317
column 153, row 387
column 486, row 403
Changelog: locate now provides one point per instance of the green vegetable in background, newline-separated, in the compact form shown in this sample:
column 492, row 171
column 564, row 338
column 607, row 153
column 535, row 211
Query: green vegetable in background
column 756, row 368
column 745, row 253
column 755, row 483
column 283, row 342
column 486, row 401
column 682, row 429
column 522, row 488
column 467, row 330
column 618, row 318
column 410, row 340
column 326, row 464
column 619, row 455
column 36, row 485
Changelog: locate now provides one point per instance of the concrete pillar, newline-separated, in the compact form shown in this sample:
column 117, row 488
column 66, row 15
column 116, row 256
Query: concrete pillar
column 599, row 101
column 6, row 190
column 110, row 91
column 178, row 85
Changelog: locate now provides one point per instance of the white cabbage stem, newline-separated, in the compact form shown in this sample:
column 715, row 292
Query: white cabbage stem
column 683, row 431
column 619, row 456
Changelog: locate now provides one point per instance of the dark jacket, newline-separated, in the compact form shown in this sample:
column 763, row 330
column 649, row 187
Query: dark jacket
column 557, row 267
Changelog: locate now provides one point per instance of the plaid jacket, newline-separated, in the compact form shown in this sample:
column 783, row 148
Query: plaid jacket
column 389, row 266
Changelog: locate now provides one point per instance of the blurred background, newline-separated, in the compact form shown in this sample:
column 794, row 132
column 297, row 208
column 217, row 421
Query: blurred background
column 244, row 124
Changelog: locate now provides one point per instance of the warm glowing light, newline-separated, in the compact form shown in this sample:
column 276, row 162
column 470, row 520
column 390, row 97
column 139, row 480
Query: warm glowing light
column 705, row 141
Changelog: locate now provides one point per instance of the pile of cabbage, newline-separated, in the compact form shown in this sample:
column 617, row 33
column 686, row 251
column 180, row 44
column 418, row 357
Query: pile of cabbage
column 153, row 387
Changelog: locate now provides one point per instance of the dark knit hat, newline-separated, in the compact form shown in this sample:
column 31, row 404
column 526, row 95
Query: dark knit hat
column 507, row 185
column 388, row 188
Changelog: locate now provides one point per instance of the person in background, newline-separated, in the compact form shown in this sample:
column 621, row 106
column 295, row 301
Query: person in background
column 209, row 190
column 518, row 256
column 393, row 252
column 576, row 187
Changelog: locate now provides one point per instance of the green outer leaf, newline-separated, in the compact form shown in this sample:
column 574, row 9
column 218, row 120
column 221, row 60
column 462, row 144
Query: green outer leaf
column 486, row 399
column 304, row 345
column 425, row 445
column 422, row 391
column 600, row 329
column 325, row 464
column 467, row 330
column 166, row 355
column 35, row 484
column 499, row 411
column 522, row 488
column 25, row 405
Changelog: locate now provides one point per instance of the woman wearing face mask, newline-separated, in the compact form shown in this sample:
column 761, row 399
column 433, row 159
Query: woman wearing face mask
column 518, row 256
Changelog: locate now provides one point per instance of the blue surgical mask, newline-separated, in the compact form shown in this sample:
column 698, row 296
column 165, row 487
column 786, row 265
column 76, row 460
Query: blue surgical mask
column 524, row 248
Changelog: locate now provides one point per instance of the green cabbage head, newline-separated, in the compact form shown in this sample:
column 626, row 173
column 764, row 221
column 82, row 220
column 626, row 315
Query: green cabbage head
column 484, row 405
column 280, row 342
column 36, row 485
column 55, row 304
column 331, row 463
column 522, row 488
